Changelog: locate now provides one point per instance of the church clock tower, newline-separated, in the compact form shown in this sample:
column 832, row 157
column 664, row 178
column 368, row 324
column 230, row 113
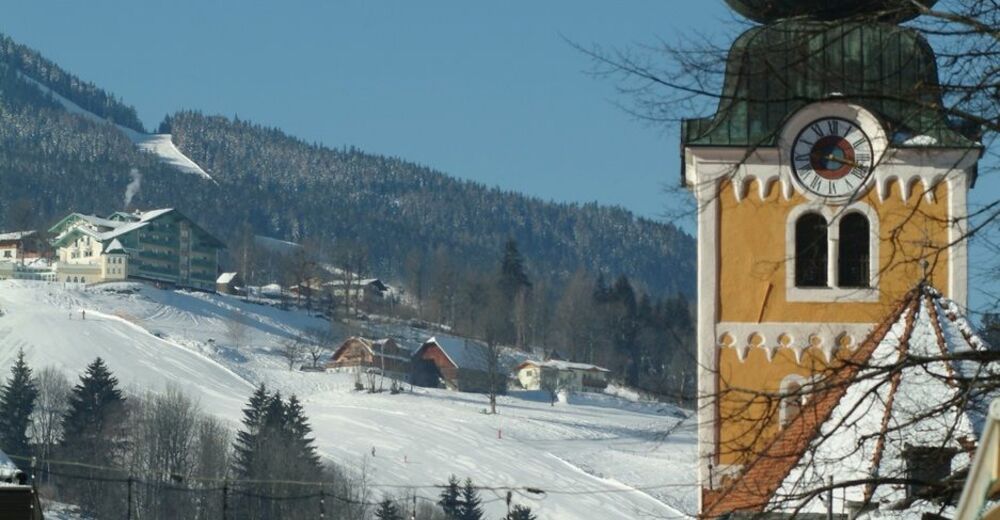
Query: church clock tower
column 828, row 185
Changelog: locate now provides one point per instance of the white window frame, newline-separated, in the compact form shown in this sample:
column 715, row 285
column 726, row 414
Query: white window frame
column 832, row 292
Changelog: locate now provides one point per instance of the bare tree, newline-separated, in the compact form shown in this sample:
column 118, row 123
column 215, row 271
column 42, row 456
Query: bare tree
column 51, row 406
column 292, row 350
column 555, row 384
column 237, row 328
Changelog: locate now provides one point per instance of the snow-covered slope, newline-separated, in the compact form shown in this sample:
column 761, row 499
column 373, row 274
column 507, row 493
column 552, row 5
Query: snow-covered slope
column 160, row 145
column 597, row 456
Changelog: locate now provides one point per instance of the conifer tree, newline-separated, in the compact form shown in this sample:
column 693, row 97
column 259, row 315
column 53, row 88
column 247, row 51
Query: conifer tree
column 450, row 499
column 470, row 509
column 91, row 428
column 387, row 510
column 17, row 401
column 247, row 443
column 307, row 463
column 521, row 513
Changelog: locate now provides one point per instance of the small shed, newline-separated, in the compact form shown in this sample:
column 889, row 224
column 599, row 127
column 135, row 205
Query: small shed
column 456, row 364
column 564, row 375
column 383, row 355
column 229, row 283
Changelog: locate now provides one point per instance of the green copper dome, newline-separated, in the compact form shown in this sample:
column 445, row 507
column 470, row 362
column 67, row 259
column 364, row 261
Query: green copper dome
column 767, row 11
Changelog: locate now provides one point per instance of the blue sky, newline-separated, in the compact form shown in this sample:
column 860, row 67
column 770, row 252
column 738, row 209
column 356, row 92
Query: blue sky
column 488, row 91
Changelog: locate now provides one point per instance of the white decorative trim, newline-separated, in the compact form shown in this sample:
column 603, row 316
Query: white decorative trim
column 958, row 253
column 783, row 391
column 799, row 337
column 832, row 293
column 708, row 251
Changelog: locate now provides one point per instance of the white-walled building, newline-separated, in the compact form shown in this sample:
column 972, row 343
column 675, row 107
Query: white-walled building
column 562, row 375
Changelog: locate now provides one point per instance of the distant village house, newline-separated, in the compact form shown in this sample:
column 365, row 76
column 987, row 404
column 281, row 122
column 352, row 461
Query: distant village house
column 561, row 375
column 455, row 364
column 361, row 354
column 229, row 283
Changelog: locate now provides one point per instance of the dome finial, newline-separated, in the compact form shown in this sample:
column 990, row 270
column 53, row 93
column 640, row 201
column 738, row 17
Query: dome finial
column 767, row 11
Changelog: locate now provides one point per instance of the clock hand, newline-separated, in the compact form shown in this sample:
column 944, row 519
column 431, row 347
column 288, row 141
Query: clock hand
column 832, row 157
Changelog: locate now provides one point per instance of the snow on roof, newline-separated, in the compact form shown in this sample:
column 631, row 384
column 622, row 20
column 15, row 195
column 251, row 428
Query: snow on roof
column 463, row 353
column 146, row 216
column 862, row 419
column 565, row 365
column 8, row 470
column 114, row 247
column 16, row 235
column 226, row 277
column 124, row 228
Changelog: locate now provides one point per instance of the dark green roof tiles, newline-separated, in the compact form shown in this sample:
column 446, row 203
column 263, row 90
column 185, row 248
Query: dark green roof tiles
column 767, row 11
column 774, row 70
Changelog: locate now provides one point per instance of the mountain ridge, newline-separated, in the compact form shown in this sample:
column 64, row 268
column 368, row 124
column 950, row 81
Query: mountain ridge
column 283, row 186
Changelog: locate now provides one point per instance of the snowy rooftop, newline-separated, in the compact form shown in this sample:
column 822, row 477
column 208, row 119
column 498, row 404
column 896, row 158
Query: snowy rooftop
column 565, row 365
column 8, row 470
column 863, row 418
column 15, row 235
column 226, row 277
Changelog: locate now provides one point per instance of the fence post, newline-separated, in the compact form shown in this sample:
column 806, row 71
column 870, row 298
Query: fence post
column 225, row 498
column 322, row 502
column 128, row 513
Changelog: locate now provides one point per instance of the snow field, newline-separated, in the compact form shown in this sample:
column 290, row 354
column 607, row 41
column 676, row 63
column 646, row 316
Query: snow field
column 596, row 456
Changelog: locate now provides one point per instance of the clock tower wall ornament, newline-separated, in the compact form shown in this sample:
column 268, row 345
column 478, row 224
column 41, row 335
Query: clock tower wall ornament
column 829, row 183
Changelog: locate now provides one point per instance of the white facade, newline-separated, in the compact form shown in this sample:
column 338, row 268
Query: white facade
column 561, row 375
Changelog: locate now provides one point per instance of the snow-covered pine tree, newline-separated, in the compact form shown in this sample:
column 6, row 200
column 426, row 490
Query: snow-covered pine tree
column 17, row 402
column 470, row 508
column 450, row 499
column 387, row 510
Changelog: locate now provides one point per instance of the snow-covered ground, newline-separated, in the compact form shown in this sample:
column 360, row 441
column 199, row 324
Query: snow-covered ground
column 596, row 456
column 160, row 145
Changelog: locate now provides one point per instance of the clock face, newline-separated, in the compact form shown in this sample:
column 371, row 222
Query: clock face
column 832, row 157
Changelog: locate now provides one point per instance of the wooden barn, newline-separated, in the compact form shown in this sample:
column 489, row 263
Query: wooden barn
column 454, row 363
column 384, row 355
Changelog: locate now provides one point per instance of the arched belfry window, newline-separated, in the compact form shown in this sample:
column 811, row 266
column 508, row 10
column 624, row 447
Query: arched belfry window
column 811, row 251
column 853, row 251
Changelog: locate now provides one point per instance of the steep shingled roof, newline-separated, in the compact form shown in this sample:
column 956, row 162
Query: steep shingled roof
column 863, row 417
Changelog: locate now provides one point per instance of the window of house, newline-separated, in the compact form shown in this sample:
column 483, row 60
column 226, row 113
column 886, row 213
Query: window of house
column 926, row 466
column 6, row 254
column 854, row 251
column 811, row 251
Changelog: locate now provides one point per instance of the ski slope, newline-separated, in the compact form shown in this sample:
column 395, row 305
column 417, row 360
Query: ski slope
column 160, row 145
column 595, row 456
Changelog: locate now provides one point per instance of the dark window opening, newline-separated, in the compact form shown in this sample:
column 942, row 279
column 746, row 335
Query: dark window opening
column 926, row 466
column 810, row 251
column 853, row 254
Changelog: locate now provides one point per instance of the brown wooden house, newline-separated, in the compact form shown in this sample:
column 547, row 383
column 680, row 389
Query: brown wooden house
column 384, row 355
column 454, row 363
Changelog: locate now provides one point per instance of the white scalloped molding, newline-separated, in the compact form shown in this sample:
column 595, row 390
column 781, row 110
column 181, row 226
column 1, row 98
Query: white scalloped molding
column 827, row 337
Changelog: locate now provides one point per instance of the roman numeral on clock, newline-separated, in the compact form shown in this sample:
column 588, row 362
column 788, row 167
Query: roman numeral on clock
column 833, row 126
column 817, row 129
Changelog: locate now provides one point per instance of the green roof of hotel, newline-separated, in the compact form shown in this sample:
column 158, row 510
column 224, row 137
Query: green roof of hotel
column 774, row 70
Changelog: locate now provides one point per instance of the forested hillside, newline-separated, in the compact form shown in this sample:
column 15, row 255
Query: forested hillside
column 290, row 189
column 396, row 208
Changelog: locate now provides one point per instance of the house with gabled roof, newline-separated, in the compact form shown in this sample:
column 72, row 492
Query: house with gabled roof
column 384, row 356
column 456, row 364
column 162, row 246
